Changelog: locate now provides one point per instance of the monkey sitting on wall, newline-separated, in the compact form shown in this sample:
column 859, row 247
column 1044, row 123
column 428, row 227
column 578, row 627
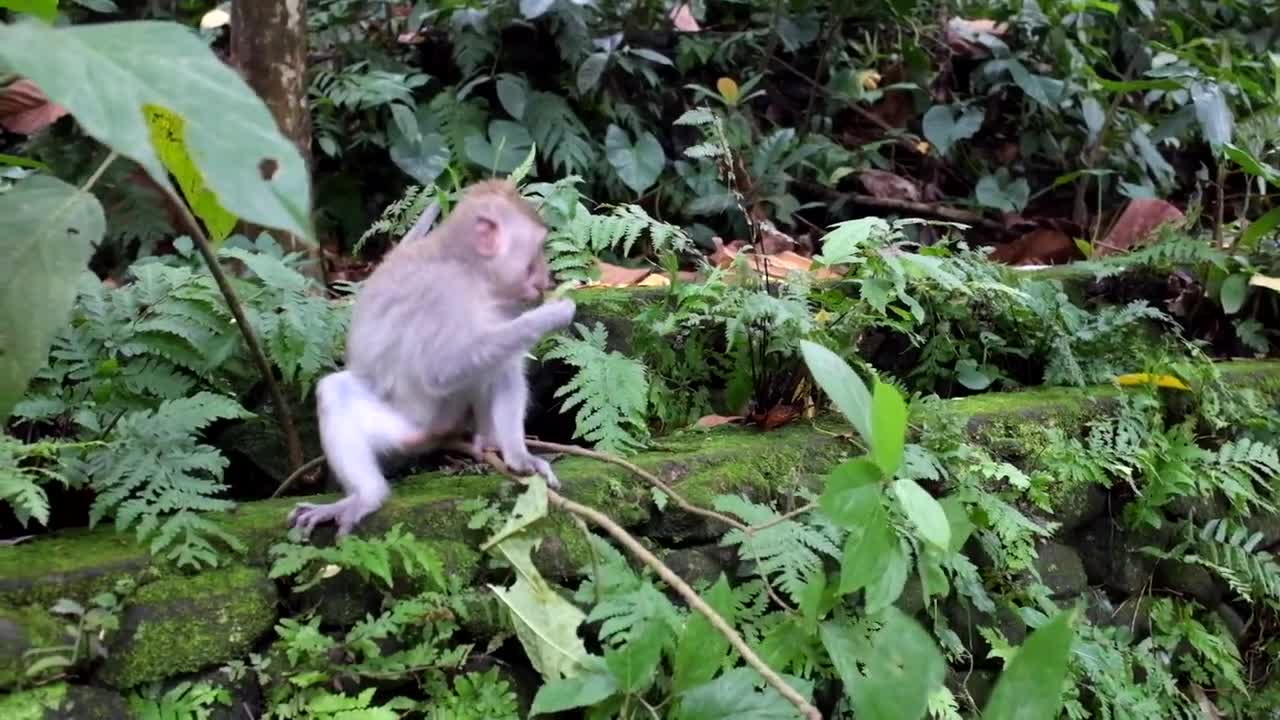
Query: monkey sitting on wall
column 438, row 336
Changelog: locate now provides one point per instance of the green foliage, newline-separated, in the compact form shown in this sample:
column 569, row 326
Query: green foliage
column 87, row 625
column 1230, row 550
column 155, row 476
column 228, row 129
column 49, row 229
column 609, row 390
column 184, row 701
column 374, row 558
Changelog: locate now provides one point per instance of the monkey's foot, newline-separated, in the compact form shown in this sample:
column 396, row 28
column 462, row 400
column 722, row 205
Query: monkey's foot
column 345, row 514
column 531, row 464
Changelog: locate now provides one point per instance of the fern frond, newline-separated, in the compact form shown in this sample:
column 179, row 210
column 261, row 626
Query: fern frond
column 787, row 553
column 610, row 390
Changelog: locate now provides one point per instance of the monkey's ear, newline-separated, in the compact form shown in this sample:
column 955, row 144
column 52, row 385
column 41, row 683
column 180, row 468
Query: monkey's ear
column 488, row 237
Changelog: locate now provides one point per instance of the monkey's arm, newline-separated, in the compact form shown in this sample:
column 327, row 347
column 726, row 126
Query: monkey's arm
column 483, row 357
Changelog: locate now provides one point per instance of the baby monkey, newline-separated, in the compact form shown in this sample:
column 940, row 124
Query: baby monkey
column 438, row 337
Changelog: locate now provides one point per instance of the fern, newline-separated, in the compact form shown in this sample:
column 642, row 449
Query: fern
column 368, row 557
column 398, row 217
column 610, row 391
column 787, row 553
column 155, row 475
column 559, row 134
column 1231, row 550
column 186, row 700
column 459, row 119
column 24, row 469
column 1244, row 471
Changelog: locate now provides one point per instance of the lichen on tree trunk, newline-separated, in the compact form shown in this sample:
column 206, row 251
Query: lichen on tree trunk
column 269, row 46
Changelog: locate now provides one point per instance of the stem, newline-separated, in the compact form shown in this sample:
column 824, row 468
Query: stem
column 654, row 480
column 1220, row 211
column 293, row 476
column 283, row 416
column 682, row 588
column 97, row 174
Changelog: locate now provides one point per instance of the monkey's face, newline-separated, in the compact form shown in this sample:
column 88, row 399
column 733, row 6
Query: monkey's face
column 523, row 275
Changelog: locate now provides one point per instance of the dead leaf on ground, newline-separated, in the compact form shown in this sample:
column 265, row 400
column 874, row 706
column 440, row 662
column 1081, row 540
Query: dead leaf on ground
column 889, row 186
column 682, row 18
column 654, row 280
column 1136, row 223
column 962, row 36
column 1044, row 246
column 618, row 276
column 776, row 266
column 711, row 421
column 776, row 417
column 24, row 108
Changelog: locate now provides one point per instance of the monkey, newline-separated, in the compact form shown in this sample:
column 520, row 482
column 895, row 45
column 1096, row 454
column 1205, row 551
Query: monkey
column 436, row 347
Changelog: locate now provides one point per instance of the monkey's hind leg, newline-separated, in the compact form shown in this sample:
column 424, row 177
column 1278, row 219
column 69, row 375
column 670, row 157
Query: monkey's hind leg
column 500, row 411
column 355, row 425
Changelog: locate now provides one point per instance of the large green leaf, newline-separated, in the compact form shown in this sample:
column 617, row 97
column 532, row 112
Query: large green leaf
column 924, row 512
column 846, row 390
column 506, row 147
column 868, row 552
column 1234, row 290
column 638, row 165
column 1030, row 688
column 852, row 493
column 105, row 73
column 46, row 10
column 573, row 692
column 702, row 648
column 888, row 428
column 943, row 127
column 167, row 131
column 1259, row 228
column 734, row 695
column 47, row 232
column 417, row 145
column 903, row 667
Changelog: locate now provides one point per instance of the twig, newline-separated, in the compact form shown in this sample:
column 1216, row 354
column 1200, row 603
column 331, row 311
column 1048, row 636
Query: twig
column 781, row 518
column 654, row 480
column 909, row 206
column 680, row 586
column 283, row 416
column 97, row 174
column 1093, row 153
column 293, row 476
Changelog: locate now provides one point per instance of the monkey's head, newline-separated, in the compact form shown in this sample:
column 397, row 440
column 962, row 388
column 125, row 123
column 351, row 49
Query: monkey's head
column 506, row 235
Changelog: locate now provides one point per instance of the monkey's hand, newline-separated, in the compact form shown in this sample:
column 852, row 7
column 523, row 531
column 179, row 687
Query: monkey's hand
column 555, row 315
column 526, row 464
column 345, row 513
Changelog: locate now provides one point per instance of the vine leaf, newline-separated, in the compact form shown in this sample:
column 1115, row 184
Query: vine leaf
column 1030, row 688
column 417, row 145
column 503, row 150
column 98, row 74
column 638, row 165
column 943, row 128
column 48, row 230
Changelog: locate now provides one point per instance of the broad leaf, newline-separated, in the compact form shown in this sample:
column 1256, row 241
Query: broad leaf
column 167, row 132
column 590, row 70
column 638, row 165
column 888, row 428
column 942, row 128
column 1259, row 229
column 48, row 230
column 418, row 147
column 1212, row 112
column 867, row 552
column 734, row 695
column 513, row 93
column 903, row 668
column 1233, row 292
column 574, row 692
column 1093, row 116
column 46, row 10
column 971, row 376
column 531, row 9
column 852, row 493
column 1030, row 688
column 702, row 648
column 887, row 587
column 1001, row 193
column 924, row 512
column 100, row 75
column 846, row 390
column 635, row 665
column 506, row 147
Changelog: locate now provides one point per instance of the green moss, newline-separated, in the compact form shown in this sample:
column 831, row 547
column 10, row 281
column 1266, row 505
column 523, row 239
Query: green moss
column 22, row 629
column 35, row 704
column 1261, row 375
column 184, row 624
column 75, row 563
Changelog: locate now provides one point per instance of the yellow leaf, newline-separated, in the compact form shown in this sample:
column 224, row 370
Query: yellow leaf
column 728, row 90
column 1266, row 281
column 1165, row 381
column 870, row 80
column 166, row 137
column 922, row 147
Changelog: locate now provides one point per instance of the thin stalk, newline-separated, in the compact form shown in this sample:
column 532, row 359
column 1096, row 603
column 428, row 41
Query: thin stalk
column 292, row 444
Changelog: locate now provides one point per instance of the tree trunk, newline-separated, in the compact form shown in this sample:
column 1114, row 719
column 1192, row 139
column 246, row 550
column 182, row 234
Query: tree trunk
column 269, row 46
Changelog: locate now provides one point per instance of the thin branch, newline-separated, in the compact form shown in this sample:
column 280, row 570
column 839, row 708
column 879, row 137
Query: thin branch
column 97, row 174
column 652, row 479
column 680, row 586
column 292, row 444
column 781, row 518
column 303, row 469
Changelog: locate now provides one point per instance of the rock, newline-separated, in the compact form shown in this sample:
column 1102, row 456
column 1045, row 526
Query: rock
column 1078, row 506
column 1061, row 570
column 978, row 685
column 1235, row 624
column 1196, row 507
column 27, row 628
column 1188, row 579
column 966, row 620
column 184, row 624
column 700, row 566
column 1134, row 614
column 1112, row 555
column 62, row 701
column 1098, row 607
